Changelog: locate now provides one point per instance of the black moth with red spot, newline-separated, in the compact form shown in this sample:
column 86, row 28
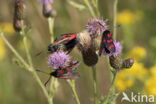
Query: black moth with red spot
column 107, row 43
column 67, row 73
column 65, row 42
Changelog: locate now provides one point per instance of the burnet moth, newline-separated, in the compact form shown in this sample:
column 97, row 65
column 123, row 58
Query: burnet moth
column 65, row 73
column 107, row 43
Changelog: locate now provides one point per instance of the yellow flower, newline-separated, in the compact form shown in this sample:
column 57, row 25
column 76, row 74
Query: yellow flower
column 2, row 49
column 150, row 84
column 7, row 27
column 138, row 71
column 126, row 17
column 126, row 77
column 137, row 53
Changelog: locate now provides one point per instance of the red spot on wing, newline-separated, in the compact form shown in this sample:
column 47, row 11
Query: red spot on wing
column 60, row 71
column 68, row 69
column 109, row 41
column 104, row 40
column 68, row 76
column 108, row 35
column 111, row 46
column 61, row 77
column 71, row 36
column 55, row 43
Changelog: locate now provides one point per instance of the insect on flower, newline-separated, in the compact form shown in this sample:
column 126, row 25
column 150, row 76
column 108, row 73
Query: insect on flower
column 65, row 73
column 107, row 43
column 65, row 42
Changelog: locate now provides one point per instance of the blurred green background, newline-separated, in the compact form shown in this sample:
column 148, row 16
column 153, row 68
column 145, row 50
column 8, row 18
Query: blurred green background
column 136, row 34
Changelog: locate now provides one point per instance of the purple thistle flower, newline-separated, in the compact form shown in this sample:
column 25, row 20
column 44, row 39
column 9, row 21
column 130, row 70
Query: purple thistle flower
column 118, row 48
column 58, row 59
column 96, row 26
column 45, row 1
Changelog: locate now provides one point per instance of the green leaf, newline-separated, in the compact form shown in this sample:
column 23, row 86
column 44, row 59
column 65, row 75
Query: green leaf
column 77, row 5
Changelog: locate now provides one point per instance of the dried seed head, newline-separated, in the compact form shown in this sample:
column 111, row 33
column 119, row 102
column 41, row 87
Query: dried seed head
column 90, row 57
column 48, row 11
column 128, row 63
column 116, row 62
column 84, row 41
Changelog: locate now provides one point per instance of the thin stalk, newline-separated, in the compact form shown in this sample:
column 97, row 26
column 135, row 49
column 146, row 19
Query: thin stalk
column 51, row 28
column 114, row 17
column 111, row 89
column 95, row 85
column 27, row 67
column 15, row 52
column 95, row 4
column 24, row 35
column 90, row 8
column 72, row 85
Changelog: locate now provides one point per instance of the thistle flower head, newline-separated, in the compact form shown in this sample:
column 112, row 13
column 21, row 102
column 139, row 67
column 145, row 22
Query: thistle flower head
column 118, row 48
column 58, row 60
column 96, row 27
column 45, row 1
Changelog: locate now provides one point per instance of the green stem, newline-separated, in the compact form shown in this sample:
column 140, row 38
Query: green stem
column 114, row 17
column 51, row 28
column 95, row 85
column 72, row 85
column 90, row 8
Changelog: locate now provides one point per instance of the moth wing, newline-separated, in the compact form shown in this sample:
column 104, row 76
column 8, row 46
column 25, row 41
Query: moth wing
column 108, row 42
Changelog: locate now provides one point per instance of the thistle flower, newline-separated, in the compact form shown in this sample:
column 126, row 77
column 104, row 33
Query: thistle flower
column 45, row 1
column 96, row 27
column 118, row 48
column 47, row 10
column 58, row 60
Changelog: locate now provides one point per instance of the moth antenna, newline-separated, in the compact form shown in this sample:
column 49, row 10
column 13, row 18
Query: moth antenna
column 39, row 53
column 45, row 84
column 117, row 26
column 42, row 71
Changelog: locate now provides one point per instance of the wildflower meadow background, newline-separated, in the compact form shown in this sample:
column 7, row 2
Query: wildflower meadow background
column 136, row 34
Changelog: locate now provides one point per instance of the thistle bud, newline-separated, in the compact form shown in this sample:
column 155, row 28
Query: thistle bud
column 18, row 24
column 18, row 21
column 19, row 9
column 116, row 62
column 128, row 63
column 87, row 47
column 48, row 11
column 90, row 57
